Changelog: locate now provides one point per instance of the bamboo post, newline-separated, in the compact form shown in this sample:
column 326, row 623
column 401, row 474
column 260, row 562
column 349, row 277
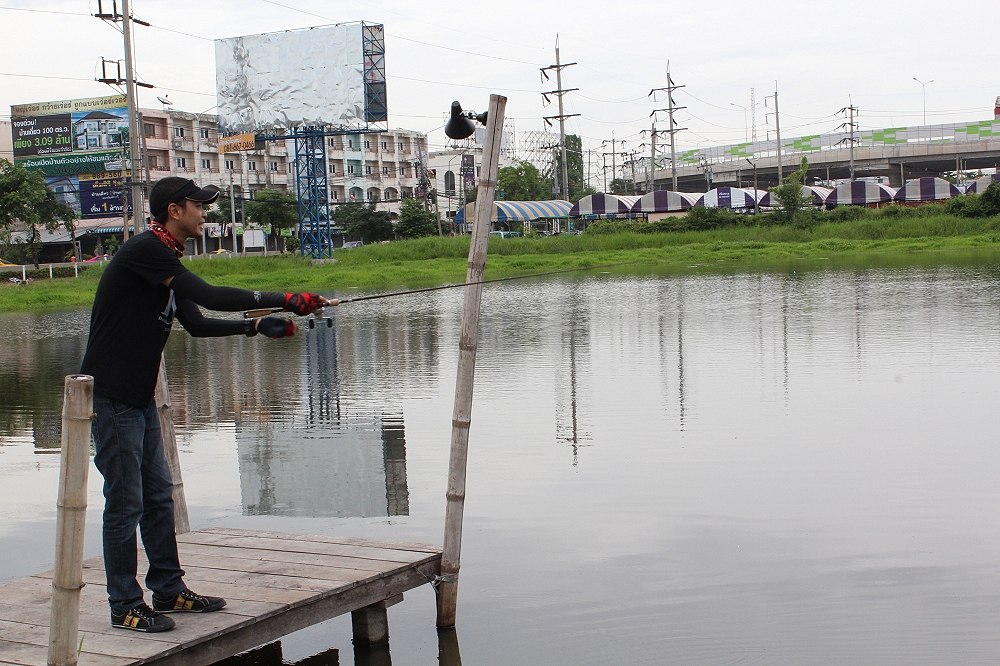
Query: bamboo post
column 447, row 598
column 166, row 413
column 71, row 516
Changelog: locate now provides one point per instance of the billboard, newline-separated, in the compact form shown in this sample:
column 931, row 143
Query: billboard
column 78, row 145
column 330, row 75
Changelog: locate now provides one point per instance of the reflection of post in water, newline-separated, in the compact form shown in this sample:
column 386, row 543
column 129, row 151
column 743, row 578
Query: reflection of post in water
column 666, row 314
column 321, row 373
column 448, row 652
column 397, row 495
column 568, row 428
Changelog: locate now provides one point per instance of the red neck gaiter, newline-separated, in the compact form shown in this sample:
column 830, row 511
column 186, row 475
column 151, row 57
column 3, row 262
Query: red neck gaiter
column 165, row 238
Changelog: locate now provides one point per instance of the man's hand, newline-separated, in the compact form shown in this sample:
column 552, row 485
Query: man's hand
column 276, row 327
column 304, row 303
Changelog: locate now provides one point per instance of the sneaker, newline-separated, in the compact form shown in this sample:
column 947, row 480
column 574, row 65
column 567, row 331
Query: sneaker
column 141, row 618
column 187, row 601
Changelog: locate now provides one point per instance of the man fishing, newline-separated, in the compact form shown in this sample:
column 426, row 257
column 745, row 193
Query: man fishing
column 143, row 289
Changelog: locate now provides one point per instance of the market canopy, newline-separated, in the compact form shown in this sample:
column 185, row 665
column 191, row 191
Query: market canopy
column 737, row 198
column 603, row 204
column 860, row 193
column 665, row 201
column 980, row 184
column 817, row 195
column 927, row 188
column 520, row 211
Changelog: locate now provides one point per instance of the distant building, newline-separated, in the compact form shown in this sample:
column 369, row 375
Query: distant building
column 378, row 168
column 6, row 141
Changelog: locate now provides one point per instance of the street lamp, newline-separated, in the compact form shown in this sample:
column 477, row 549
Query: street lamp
column 746, row 128
column 923, row 84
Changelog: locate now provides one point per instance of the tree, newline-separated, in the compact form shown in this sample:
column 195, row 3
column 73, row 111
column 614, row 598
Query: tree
column 578, row 188
column 523, row 182
column 222, row 213
column 363, row 222
column 25, row 200
column 789, row 193
column 275, row 208
column 415, row 221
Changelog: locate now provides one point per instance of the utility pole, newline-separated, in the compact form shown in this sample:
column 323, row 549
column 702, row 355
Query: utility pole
column 651, row 175
column 559, row 92
column 777, row 127
column 672, row 130
column 851, row 127
column 135, row 160
column 614, row 163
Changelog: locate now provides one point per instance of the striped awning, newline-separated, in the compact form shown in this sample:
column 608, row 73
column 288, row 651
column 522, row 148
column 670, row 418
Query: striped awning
column 927, row 188
column 664, row 201
column 980, row 184
column 737, row 198
column 520, row 211
column 860, row 193
column 603, row 204
column 817, row 195
column 107, row 230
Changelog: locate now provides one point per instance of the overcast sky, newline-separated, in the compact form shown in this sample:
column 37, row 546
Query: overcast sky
column 822, row 57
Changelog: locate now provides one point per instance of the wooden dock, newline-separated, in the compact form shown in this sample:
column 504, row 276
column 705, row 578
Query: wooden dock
column 274, row 584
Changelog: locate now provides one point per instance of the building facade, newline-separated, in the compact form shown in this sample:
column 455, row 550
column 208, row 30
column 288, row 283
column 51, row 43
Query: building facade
column 378, row 168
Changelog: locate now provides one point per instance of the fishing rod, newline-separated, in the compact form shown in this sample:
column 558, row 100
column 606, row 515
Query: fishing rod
column 263, row 312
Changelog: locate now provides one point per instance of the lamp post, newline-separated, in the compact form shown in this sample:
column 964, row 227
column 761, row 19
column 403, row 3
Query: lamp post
column 923, row 85
column 746, row 128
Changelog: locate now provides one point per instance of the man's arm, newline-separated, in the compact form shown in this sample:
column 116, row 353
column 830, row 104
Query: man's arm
column 230, row 299
column 200, row 326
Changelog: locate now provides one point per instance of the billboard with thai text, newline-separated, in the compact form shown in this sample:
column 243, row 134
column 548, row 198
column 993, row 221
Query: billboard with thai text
column 79, row 145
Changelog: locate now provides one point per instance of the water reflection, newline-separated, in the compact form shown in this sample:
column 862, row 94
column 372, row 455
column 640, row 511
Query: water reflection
column 819, row 444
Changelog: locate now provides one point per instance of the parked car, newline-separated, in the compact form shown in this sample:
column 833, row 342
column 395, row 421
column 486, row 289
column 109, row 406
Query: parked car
column 506, row 234
column 349, row 244
column 97, row 257
column 4, row 263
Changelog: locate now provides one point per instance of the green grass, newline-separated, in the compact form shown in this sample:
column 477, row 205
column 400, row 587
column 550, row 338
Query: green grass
column 872, row 240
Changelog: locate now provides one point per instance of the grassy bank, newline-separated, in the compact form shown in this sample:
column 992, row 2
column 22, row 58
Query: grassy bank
column 434, row 261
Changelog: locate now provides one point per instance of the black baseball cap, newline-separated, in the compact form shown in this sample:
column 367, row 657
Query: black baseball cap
column 173, row 189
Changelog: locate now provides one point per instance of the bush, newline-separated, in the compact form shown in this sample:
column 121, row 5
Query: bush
column 611, row 226
column 700, row 218
column 845, row 213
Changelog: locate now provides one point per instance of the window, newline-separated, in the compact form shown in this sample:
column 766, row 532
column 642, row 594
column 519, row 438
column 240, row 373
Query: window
column 350, row 143
column 148, row 130
column 371, row 195
column 332, row 143
column 335, row 195
column 180, row 162
column 274, row 166
column 178, row 132
column 387, row 195
column 230, row 165
column 385, row 145
column 206, row 164
column 385, row 171
column 400, row 144
column 333, row 168
column 368, row 144
column 368, row 169
column 203, row 132
column 251, row 165
column 350, row 168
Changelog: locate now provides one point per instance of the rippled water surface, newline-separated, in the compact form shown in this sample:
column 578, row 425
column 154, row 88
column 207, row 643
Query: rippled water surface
column 710, row 469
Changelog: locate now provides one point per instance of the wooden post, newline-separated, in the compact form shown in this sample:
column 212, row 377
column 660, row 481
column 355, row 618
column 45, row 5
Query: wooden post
column 166, row 414
column 71, row 516
column 447, row 598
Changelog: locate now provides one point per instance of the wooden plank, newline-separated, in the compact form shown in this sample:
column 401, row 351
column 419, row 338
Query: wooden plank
column 120, row 644
column 275, row 584
column 304, row 616
column 20, row 654
column 304, row 546
column 319, row 538
column 202, row 553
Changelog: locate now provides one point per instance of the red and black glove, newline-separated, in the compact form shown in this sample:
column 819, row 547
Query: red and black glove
column 304, row 303
column 276, row 327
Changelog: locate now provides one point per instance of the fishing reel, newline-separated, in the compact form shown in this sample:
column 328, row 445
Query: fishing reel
column 327, row 320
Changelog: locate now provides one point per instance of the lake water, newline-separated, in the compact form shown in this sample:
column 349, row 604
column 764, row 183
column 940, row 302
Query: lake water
column 793, row 468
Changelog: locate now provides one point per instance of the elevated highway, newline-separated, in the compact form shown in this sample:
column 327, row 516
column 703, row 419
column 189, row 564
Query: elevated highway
column 896, row 154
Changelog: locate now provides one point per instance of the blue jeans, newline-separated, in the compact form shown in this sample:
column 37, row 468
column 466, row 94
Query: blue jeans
column 138, row 492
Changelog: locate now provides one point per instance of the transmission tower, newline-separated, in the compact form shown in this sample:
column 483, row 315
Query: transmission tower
column 672, row 128
column 559, row 92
